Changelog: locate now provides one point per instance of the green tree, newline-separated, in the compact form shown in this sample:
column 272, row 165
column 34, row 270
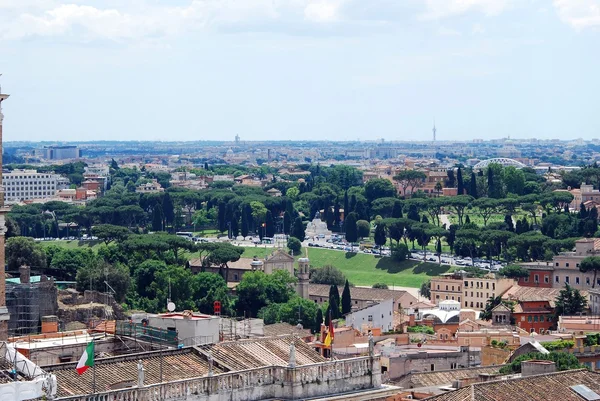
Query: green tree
column 287, row 223
column 382, row 286
column 399, row 252
column 410, row 178
column 351, row 228
column 66, row 262
column 144, row 275
column 514, row 180
column 299, row 310
column 562, row 360
column 460, row 186
column 327, row 275
column 294, row 245
column 569, row 302
column 425, row 289
column 208, row 288
column 380, row 237
column 318, row 320
column 334, row 301
column 103, row 277
column 24, row 251
column 514, row 271
column 363, row 228
column 379, row 188
column 590, row 264
column 110, row 232
column 346, row 299
column 257, row 290
column 298, row 229
column 222, row 255
column 292, row 193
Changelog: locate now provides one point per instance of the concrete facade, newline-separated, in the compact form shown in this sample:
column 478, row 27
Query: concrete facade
column 192, row 328
column 470, row 292
column 566, row 265
column 28, row 184
column 400, row 361
column 380, row 316
column 595, row 301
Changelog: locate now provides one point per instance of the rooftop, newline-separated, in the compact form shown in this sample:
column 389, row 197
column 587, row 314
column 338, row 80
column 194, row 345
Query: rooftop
column 358, row 293
column 553, row 386
column 430, row 379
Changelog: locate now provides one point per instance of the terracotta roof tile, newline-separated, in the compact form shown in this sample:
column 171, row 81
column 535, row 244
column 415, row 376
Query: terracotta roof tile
column 553, row 386
column 430, row 379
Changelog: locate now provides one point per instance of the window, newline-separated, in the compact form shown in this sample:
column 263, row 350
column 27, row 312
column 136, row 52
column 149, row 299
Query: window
column 566, row 264
column 446, row 288
column 556, row 279
column 536, row 278
column 438, row 286
column 471, row 304
column 522, row 318
column 432, row 367
column 535, row 318
column 235, row 277
column 466, row 293
column 452, row 365
column 546, row 279
column 446, row 296
column 587, row 280
column 458, row 299
column 526, row 279
column 437, row 297
column 370, row 318
column 471, row 293
column 576, row 280
column 529, row 318
column 566, row 279
column 493, row 286
column 487, row 286
column 452, row 288
column 466, row 303
column 556, row 264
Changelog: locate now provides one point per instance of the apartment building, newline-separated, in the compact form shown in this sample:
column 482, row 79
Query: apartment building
column 471, row 292
column 566, row 265
column 28, row 184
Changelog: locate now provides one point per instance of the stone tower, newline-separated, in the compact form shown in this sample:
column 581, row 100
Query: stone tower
column 303, row 277
column 3, row 210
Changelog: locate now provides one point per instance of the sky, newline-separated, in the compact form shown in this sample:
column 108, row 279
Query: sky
column 299, row 69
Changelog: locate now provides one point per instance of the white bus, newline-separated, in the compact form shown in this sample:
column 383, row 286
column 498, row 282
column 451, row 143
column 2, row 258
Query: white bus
column 185, row 234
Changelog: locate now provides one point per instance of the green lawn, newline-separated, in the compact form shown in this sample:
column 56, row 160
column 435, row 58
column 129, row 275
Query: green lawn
column 360, row 269
column 365, row 269
column 73, row 244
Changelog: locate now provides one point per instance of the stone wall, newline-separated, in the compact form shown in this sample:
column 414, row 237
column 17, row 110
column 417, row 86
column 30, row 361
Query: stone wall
column 278, row 382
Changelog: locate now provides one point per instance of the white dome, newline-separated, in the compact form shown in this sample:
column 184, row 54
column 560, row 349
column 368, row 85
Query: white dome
column 503, row 161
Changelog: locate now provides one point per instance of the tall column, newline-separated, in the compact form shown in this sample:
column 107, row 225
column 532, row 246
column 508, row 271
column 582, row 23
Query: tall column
column 3, row 311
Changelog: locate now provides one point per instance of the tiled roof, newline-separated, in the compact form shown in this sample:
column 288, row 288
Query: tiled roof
column 430, row 379
column 179, row 364
column 518, row 293
column 186, row 363
column 279, row 329
column 357, row 293
column 553, row 386
column 267, row 351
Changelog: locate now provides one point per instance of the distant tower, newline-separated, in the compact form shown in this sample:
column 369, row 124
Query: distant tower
column 434, row 130
column 303, row 277
column 237, row 140
column 3, row 311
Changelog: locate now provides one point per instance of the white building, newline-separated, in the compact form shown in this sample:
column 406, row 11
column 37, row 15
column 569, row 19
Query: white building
column 379, row 315
column 28, row 184
column 192, row 328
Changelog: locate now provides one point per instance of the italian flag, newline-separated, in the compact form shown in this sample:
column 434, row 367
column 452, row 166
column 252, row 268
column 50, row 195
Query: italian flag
column 87, row 359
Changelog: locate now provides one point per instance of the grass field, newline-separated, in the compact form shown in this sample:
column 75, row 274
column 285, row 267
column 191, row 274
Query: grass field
column 360, row 269
column 365, row 269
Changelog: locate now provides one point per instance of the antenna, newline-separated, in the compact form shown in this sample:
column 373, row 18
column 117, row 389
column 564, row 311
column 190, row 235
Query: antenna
column 434, row 130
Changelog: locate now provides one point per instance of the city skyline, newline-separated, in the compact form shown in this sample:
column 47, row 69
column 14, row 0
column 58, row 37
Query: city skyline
column 299, row 69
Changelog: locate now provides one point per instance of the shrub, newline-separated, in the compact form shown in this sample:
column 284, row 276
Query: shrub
column 421, row 329
column 382, row 286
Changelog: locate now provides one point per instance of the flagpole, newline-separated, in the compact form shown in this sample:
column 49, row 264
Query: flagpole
column 94, row 370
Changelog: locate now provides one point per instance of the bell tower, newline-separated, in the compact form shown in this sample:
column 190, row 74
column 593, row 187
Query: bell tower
column 3, row 210
column 303, row 277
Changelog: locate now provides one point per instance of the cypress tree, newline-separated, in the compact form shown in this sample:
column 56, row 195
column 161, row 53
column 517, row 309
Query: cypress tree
column 397, row 210
column 334, row 301
column 318, row 321
column 583, row 213
column 351, row 229
column 157, row 219
column 270, row 225
column 467, row 219
column 327, row 315
column 346, row 299
column 490, row 183
column 460, row 186
column 473, row 190
column 245, row 227
column 346, row 205
column 298, row 229
column 509, row 223
column 287, row 223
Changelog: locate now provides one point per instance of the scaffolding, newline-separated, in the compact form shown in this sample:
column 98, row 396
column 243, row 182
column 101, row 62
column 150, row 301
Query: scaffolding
column 141, row 332
column 26, row 304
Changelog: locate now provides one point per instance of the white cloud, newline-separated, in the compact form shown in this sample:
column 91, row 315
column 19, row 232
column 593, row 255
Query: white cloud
column 115, row 22
column 438, row 9
column 580, row 14
column 477, row 29
column 323, row 10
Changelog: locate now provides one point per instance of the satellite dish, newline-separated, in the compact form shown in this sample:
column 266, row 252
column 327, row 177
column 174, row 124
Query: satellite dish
column 170, row 306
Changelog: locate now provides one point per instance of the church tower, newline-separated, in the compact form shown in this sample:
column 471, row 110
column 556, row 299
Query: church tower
column 303, row 277
column 3, row 311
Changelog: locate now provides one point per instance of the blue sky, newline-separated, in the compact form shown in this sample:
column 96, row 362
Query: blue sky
column 299, row 69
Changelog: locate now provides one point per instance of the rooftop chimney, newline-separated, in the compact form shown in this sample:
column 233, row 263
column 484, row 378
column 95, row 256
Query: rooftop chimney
column 25, row 274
